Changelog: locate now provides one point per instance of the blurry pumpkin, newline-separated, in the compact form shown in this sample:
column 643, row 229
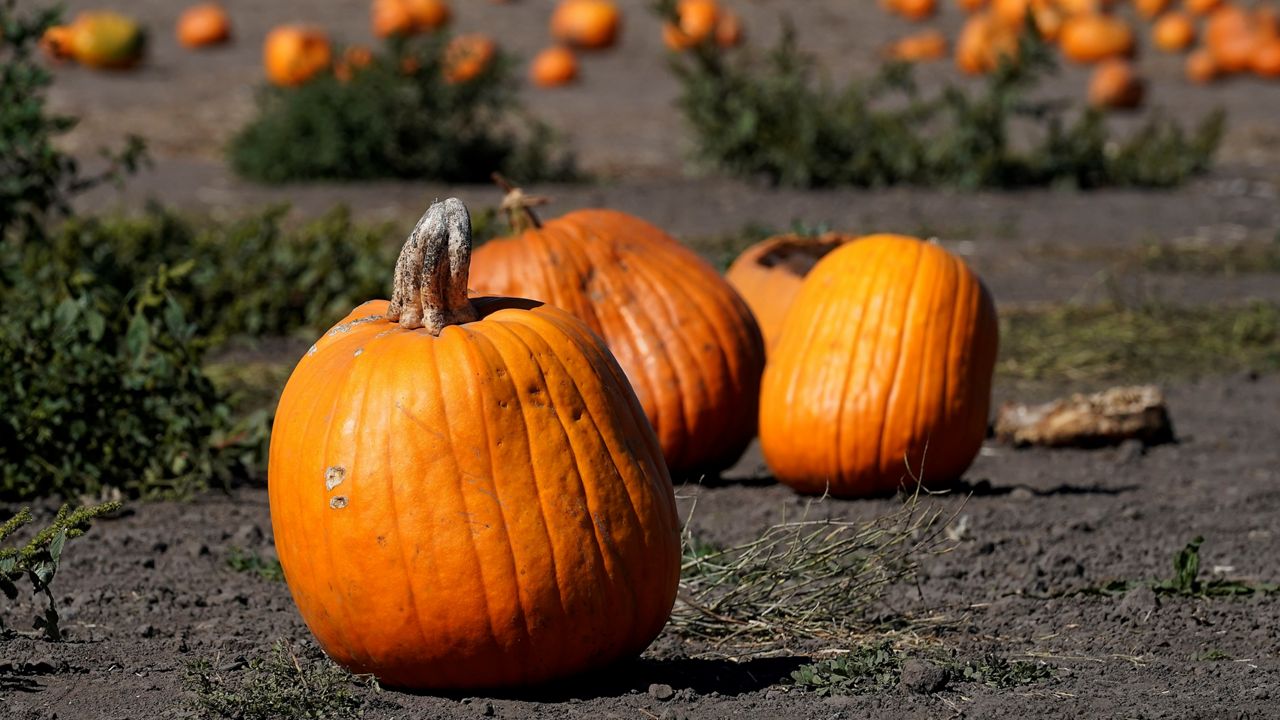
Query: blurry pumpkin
column 1230, row 35
column 768, row 275
column 1174, row 32
column 915, row 10
column 1092, row 37
column 1149, row 9
column 203, row 25
column 587, row 24
column 354, row 58
column 554, row 67
column 922, row 46
column 696, row 22
column 293, row 54
column 1081, row 7
column 1046, row 15
column 983, row 42
column 391, row 18
column 971, row 6
column 1116, row 85
column 466, row 57
column 686, row 340
column 728, row 29
column 429, row 15
column 1202, row 7
column 1266, row 59
column 98, row 39
column 465, row 492
column 1200, row 67
column 882, row 373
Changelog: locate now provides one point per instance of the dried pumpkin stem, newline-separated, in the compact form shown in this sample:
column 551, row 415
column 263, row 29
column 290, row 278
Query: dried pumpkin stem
column 518, row 206
column 431, row 275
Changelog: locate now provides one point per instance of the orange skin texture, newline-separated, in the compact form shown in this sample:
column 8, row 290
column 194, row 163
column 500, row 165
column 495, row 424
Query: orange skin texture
column 1266, row 60
column 1202, row 7
column 920, row 47
column 882, row 373
column 485, row 508
column 768, row 275
column 697, row 22
column 1231, row 36
column 687, row 341
column 203, row 26
column 1092, row 38
column 587, row 24
column 1201, row 68
column 554, row 67
column 982, row 42
column 1149, row 9
column 1115, row 84
column 467, row 56
column 293, row 54
column 1174, row 32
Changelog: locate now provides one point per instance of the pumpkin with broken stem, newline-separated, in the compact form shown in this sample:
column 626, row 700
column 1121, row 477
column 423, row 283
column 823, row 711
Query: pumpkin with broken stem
column 465, row 491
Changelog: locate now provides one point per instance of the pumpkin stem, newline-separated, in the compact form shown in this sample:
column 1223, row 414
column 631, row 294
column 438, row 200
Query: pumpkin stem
column 431, row 275
column 518, row 206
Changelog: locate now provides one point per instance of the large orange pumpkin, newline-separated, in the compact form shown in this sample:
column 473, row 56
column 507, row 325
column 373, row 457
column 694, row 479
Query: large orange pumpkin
column 1231, row 35
column 882, row 373
column 686, row 340
column 696, row 20
column 1266, row 59
column 203, row 25
column 587, row 24
column 768, row 275
column 465, row 492
column 1092, row 37
column 293, row 54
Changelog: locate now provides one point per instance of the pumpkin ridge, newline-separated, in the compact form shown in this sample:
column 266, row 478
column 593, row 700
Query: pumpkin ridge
column 891, row 391
column 937, row 297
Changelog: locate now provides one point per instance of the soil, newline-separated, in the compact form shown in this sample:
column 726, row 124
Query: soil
column 146, row 593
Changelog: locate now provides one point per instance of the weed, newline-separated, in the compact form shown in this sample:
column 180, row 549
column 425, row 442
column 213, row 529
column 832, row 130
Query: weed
column 771, row 118
column 253, row 563
column 388, row 121
column 1185, row 580
column 799, row 579
column 1108, row 343
column 1212, row 655
column 866, row 669
column 279, row 686
column 1211, row 259
column 39, row 557
column 998, row 672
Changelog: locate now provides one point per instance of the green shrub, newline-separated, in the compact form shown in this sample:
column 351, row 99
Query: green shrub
column 387, row 123
column 771, row 118
column 276, row 686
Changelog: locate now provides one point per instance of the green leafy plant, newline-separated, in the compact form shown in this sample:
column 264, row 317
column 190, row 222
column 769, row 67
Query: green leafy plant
column 37, row 560
column 772, row 117
column 398, row 117
column 866, row 669
column 247, row 561
column 279, row 686
column 998, row 672
column 1185, row 580
column 38, row 180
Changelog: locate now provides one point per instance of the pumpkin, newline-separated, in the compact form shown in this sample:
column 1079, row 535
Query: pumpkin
column 429, row 15
column 1149, row 9
column 554, row 67
column 971, row 6
column 464, row 492
column 203, row 25
column 466, row 57
column 1090, row 38
column 696, row 21
column 1115, row 84
column 586, row 24
column 100, row 39
column 293, row 54
column 920, row 47
column 354, row 58
column 1201, row 68
column 1231, row 36
column 686, row 340
column 729, row 32
column 1266, row 59
column 768, row 275
column 1202, row 7
column 391, row 18
column 882, row 373
column 1174, row 32
column 983, row 42
column 915, row 10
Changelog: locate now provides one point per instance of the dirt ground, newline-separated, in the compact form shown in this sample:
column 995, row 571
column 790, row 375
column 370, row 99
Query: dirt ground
column 145, row 593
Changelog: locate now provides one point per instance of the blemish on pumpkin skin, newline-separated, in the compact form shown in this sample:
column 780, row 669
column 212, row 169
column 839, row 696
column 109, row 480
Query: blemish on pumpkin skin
column 359, row 352
column 333, row 477
column 312, row 350
column 338, row 502
column 346, row 327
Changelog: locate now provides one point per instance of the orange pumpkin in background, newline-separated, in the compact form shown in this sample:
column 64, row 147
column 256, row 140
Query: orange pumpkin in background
column 391, row 18
column 920, row 47
column 729, row 31
column 882, row 373
column 686, row 340
column 429, row 15
column 466, row 57
column 1174, row 32
column 1200, row 67
column 983, row 42
column 1266, row 59
column 1231, row 37
column 553, row 67
column 203, row 26
column 465, row 493
column 971, row 6
column 354, row 58
column 293, row 54
column 1202, row 7
column 1091, row 38
column 915, row 10
column 586, row 24
column 697, row 21
column 1116, row 85
column 1149, row 9
column 768, row 275
column 97, row 39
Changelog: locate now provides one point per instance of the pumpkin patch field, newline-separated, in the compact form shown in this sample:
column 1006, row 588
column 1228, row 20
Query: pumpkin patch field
column 691, row 359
